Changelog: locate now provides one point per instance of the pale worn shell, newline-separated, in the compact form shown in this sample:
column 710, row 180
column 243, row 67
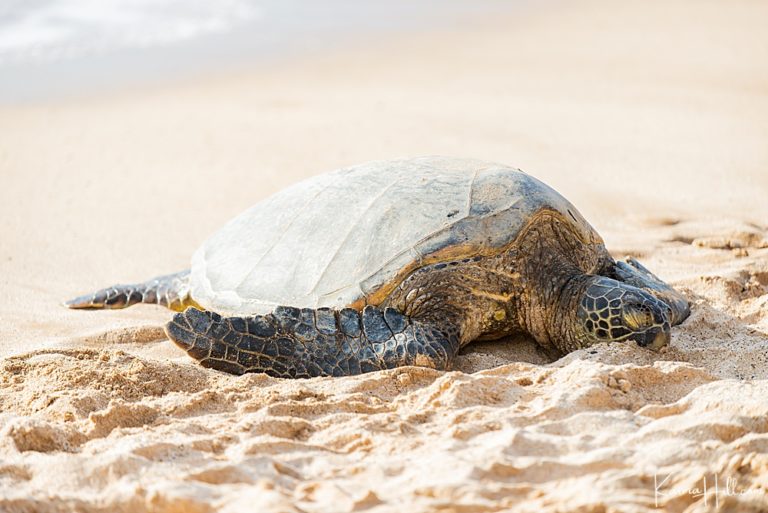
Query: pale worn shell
column 331, row 239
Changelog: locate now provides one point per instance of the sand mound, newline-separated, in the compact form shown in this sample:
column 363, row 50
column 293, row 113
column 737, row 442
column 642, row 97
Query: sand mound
column 164, row 437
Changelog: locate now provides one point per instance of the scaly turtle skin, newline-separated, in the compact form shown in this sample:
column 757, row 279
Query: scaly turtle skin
column 402, row 262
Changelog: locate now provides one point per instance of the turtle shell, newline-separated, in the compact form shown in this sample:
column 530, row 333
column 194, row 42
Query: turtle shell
column 341, row 237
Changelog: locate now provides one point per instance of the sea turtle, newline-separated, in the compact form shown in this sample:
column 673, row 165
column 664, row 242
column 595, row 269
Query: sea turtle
column 401, row 262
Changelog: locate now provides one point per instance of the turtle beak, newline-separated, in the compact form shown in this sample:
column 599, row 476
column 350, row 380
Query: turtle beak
column 654, row 339
column 661, row 339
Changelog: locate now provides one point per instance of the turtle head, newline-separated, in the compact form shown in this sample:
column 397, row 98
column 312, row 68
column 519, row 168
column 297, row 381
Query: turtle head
column 612, row 311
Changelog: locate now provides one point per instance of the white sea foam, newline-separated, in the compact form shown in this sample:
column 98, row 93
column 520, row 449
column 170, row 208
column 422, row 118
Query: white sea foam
column 55, row 48
column 60, row 29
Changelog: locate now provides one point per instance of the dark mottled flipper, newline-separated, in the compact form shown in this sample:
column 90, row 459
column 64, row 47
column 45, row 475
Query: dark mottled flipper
column 634, row 273
column 304, row 343
column 171, row 290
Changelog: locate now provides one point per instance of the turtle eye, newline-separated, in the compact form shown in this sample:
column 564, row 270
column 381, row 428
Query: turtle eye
column 637, row 317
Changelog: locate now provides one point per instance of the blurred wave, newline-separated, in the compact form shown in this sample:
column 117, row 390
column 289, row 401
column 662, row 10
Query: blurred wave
column 52, row 48
column 55, row 29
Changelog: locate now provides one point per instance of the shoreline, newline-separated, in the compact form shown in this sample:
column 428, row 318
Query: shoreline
column 145, row 53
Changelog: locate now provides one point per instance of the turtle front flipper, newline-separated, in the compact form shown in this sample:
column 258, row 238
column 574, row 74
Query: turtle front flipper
column 305, row 343
column 636, row 274
column 171, row 291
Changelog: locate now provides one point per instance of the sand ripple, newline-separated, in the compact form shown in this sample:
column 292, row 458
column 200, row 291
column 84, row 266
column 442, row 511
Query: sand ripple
column 158, row 436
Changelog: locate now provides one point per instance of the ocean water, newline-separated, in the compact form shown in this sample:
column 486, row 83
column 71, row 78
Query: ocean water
column 52, row 48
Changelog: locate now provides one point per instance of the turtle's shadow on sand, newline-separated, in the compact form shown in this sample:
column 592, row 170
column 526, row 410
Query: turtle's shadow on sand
column 487, row 354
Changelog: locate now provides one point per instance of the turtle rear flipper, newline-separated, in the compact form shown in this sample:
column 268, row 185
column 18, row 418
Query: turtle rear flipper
column 305, row 343
column 171, row 291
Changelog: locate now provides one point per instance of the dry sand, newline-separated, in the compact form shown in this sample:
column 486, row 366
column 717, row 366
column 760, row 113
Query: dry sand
column 651, row 117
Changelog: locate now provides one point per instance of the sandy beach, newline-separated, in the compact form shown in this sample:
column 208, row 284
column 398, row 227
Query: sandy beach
column 652, row 118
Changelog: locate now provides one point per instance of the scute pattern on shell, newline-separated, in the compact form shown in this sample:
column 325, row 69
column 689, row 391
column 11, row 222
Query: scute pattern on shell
column 331, row 239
